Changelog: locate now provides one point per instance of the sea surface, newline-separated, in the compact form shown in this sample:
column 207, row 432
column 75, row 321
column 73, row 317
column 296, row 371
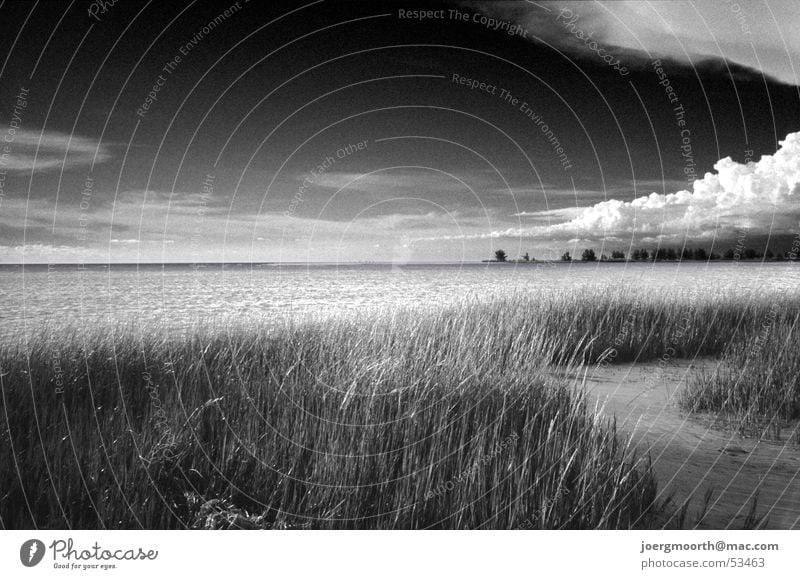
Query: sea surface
column 178, row 295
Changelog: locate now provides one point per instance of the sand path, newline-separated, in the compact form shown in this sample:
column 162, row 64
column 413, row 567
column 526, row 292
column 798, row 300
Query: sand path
column 690, row 455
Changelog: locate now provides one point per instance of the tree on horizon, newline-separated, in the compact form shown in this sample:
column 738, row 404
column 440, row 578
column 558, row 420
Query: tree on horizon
column 588, row 255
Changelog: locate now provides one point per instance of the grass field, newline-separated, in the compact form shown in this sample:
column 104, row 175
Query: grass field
column 429, row 418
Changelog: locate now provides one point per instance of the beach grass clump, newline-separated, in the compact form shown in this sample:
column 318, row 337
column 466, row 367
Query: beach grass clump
column 755, row 387
column 447, row 418
column 641, row 326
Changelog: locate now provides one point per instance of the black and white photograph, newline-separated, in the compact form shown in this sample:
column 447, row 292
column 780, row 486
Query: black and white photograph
column 399, row 266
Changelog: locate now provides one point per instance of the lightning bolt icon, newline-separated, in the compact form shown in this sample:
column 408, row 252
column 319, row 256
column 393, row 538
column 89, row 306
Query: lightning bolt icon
column 34, row 548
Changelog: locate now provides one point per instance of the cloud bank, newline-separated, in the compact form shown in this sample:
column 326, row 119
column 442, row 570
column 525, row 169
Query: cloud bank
column 763, row 196
column 757, row 35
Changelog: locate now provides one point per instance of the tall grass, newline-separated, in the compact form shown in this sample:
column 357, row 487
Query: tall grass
column 756, row 385
column 428, row 418
column 433, row 419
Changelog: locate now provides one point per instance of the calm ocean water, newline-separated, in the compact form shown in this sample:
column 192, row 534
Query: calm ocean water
column 177, row 295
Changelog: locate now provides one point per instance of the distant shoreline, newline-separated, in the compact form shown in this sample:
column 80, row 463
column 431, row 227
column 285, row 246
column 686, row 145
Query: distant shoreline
column 651, row 261
column 312, row 264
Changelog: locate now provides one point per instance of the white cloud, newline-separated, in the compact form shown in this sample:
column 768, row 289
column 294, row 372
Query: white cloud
column 763, row 196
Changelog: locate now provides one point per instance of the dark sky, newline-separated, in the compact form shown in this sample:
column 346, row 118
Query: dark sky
column 342, row 131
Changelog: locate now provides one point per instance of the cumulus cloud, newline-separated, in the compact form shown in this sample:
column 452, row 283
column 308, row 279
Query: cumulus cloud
column 763, row 196
column 50, row 150
column 754, row 35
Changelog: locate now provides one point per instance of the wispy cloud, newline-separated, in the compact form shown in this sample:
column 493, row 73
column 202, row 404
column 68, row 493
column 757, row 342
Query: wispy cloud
column 550, row 214
column 49, row 150
column 390, row 181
